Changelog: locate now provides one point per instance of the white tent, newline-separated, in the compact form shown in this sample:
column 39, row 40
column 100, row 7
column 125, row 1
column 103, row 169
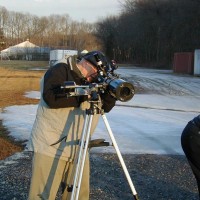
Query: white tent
column 25, row 48
column 21, row 47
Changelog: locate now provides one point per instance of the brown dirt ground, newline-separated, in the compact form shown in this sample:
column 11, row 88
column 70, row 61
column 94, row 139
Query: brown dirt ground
column 13, row 85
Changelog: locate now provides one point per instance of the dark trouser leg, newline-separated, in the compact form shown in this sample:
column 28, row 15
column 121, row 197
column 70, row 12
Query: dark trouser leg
column 190, row 141
column 85, row 184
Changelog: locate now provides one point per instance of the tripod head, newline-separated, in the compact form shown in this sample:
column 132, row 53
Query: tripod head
column 92, row 90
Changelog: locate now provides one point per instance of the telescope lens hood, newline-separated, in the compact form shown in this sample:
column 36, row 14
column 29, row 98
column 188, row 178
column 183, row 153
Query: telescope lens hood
column 121, row 90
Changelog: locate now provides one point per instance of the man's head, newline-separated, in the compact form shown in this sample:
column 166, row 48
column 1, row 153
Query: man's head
column 87, row 69
column 88, row 65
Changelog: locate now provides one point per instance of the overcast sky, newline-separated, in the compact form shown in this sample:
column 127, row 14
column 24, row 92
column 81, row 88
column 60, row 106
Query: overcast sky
column 89, row 10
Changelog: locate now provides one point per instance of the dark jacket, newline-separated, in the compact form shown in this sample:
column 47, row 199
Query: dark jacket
column 55, row 97
column 196, row 120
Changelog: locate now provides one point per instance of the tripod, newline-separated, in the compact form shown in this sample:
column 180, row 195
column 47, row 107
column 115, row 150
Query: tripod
column 84, row 143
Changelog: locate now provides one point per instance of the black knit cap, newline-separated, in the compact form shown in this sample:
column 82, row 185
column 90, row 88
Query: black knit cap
column 90, row 57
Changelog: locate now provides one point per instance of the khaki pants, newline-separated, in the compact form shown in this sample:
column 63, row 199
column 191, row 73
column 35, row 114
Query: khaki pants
column 47, row 175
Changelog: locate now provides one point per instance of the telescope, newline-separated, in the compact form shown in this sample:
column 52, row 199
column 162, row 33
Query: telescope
column 118, row 88
column 107, row 81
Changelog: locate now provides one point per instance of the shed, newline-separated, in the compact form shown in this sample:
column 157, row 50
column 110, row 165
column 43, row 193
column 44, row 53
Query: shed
column 197, row 62
column 183, row 62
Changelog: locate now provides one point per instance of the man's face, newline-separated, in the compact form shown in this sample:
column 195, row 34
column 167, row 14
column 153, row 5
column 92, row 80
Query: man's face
column 87, row 70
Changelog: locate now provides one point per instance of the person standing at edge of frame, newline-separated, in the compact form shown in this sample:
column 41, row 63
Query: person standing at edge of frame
column 190, row 141
column 58, row 126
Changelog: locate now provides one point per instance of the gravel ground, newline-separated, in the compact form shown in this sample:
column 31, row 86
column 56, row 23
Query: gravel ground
column 157, row 177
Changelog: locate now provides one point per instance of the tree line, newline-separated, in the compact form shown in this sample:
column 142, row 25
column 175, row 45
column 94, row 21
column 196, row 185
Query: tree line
column 151, row 31
column 145, row 32
column 54, row 31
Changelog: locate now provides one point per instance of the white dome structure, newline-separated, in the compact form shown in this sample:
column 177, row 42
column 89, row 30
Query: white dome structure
column 25, row 49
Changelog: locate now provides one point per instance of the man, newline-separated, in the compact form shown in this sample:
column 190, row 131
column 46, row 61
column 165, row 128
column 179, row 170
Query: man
column 58, row 127
column 190, row 141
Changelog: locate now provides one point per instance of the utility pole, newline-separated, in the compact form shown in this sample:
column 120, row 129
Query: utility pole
column 2, row 42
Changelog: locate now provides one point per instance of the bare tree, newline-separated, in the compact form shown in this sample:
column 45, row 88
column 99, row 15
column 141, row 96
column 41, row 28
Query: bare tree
column 151, row 31
column 54, row 31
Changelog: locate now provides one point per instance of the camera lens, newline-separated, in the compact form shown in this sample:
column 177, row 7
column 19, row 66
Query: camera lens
column 124, row 92
column 120, row 89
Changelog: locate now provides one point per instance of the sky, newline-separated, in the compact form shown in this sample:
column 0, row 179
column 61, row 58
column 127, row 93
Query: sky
column 88, row 10
column 149, row 123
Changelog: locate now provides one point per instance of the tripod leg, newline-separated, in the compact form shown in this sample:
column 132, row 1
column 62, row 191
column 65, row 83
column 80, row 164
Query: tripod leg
column 81, row 158
column 78, row 158
column 120, row 157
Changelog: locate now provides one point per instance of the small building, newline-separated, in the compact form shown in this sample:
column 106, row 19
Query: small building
column 59, row 54
column 197, row 62
column 183, row 62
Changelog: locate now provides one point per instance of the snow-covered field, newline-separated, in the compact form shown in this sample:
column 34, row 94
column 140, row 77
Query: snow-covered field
column 151, row 122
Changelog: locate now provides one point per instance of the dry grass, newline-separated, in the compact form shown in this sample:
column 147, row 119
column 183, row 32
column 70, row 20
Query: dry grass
column 8, row 145
column 15, row 80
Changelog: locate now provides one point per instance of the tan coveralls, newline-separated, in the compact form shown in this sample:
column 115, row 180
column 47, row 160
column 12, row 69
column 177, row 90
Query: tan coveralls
column 52, row 164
